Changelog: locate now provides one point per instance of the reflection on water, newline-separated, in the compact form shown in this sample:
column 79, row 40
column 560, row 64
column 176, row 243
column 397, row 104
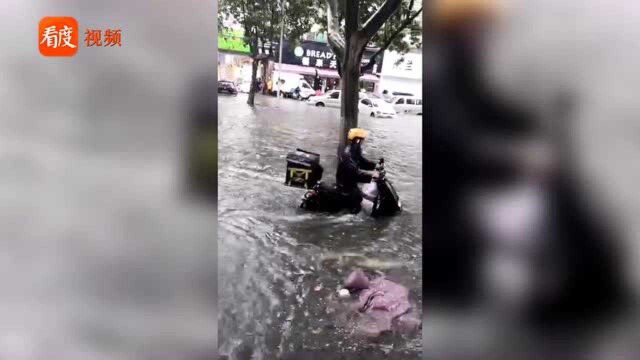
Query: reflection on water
column 279, row 266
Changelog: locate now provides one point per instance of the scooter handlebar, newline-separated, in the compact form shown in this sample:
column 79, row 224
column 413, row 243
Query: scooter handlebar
column 380, row 168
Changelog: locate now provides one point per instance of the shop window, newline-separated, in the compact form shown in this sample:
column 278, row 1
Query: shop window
column 367, row 86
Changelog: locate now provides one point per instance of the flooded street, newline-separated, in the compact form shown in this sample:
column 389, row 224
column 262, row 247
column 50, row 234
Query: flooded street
column 279, row 266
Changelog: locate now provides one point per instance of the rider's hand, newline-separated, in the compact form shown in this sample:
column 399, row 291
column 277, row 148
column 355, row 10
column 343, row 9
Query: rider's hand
column 375, row 175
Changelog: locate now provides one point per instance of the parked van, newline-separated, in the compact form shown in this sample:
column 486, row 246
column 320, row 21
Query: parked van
column 288, row 84
column 407, row 105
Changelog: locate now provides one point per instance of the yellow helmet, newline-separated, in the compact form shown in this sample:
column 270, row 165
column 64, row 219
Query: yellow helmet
column 357, row 133
column 450, row 12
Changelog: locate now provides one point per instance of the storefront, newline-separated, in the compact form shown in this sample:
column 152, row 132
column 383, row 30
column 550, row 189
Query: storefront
column 234, row 62
column 313, row 59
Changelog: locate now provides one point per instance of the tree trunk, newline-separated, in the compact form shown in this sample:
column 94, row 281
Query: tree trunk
column 349, row 108
column 265, row 65
column 252, row 87
column 350, row 90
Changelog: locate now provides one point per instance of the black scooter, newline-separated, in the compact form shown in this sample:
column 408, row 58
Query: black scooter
column 329, row 198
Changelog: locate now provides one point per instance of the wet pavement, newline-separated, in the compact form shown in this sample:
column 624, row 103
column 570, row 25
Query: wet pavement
column 279, row 266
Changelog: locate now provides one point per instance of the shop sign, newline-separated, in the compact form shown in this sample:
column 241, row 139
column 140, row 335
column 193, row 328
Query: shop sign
column 317, row 54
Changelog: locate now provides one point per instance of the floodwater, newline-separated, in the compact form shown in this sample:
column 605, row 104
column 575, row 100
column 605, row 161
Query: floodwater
column 280, row 267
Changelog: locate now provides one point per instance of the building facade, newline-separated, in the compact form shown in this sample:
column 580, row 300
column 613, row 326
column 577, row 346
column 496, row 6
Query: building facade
column 312, row 57
column 234, row 62
column 402, row 72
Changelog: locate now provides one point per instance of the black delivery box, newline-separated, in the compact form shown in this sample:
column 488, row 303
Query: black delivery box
column 303, row 169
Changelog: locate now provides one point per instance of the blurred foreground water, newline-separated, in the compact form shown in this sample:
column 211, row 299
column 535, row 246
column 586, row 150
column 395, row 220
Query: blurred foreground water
column 103, row 255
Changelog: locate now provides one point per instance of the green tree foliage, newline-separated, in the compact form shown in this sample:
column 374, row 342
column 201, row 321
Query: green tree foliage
column 262, row 20
column 401, row 32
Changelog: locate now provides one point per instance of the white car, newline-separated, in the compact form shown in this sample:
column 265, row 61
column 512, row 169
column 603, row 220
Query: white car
column 330, row 99
column 376, row 108
column 407, row 105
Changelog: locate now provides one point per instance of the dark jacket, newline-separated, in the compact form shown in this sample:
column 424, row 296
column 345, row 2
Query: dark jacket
column 468, row 126
column 350, row 168
column 469, row 136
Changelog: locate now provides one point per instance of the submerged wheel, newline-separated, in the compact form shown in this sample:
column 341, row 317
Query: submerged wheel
column 375, row 209
column 310, row 200
column 373, row 114
column 320, row 104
